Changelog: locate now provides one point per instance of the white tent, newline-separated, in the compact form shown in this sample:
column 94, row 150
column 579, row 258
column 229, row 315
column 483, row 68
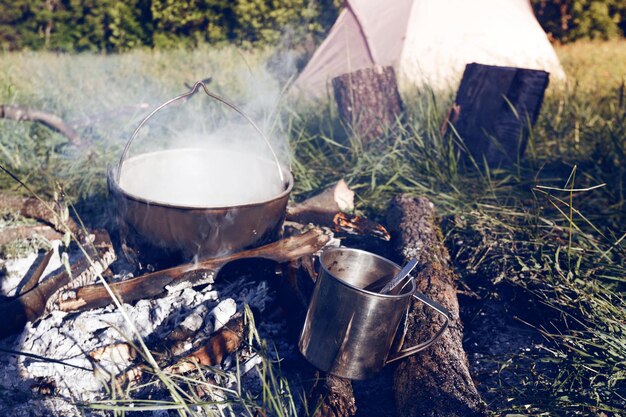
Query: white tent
column 430, row 41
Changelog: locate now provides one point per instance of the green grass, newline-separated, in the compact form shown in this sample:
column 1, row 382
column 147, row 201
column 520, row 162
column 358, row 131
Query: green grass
column 554, row 226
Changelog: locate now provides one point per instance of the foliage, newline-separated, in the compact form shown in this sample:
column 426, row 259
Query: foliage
column 115, row 25
column 569, row 20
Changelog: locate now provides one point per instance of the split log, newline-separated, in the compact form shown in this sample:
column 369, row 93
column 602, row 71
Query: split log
column 319, row 208
column 155, row 283
column 33, row 304
column 435, row 381
column 23, row 113
column 494, row 110
column 328, row 209
column 368, row 101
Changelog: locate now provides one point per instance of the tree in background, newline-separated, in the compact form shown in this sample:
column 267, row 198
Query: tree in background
column 570, row 20
column 118, row 25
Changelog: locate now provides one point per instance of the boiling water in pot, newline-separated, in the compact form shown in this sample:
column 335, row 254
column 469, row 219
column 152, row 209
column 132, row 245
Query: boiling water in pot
column 201, row 177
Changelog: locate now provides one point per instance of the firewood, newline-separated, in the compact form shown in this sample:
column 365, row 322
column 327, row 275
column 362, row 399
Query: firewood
column 437, row 380
column 493, row 109
column 329, row 208
column 33, row 304
column 368, row 101
column 13, row 233
column 221, row 344
column 319, row 208
column 23, row 113
column 154, row 284
column 212, row 352
column 36, row 209
column 37, row 273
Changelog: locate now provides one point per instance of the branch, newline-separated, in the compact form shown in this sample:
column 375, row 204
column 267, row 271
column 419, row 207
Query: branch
column 23, row 113
column 154, row 284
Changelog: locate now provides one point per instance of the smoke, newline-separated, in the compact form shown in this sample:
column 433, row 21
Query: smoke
column 104, row 97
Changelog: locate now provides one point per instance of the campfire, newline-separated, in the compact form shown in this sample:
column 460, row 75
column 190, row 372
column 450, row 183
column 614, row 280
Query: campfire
column 195, row 298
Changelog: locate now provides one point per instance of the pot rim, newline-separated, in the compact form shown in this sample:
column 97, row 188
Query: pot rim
column 114, row 182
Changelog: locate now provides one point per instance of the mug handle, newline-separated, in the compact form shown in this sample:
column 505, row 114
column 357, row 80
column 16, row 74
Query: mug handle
column 420, row 346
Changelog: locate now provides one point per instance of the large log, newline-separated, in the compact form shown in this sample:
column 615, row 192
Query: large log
column 494, row 109
column 368, row 101
column 436, row 381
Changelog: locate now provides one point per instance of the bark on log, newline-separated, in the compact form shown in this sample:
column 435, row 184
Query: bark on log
column 494, row 107
column 435, row 381
column 368, row 101
column 23, row 113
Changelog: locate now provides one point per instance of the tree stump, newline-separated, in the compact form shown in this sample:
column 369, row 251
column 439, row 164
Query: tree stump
column 368, row 101
column 494, row 110
column 435, row 381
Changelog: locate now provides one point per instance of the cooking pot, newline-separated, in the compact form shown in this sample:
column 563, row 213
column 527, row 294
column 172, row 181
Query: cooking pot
column 173, row 205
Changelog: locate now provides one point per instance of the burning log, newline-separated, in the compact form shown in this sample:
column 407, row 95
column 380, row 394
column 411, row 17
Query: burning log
column 221, row 344
column 34, row 303
column 212, row 352
column 435, row 381
column 154, row 284
column 329, row 207
column 23, row 113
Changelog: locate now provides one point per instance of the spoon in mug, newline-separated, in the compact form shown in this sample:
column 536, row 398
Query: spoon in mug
column 399, row 277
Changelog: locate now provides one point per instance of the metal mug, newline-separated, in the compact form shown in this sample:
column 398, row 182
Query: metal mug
column 349, row 331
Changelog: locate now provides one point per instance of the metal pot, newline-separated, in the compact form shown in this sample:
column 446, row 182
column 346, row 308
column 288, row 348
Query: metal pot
column 166, row 232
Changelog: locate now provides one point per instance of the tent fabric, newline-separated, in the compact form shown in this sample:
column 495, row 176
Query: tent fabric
column 429, row 42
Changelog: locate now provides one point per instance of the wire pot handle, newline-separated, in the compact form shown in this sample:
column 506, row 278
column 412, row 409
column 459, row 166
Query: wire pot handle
column 196, row 87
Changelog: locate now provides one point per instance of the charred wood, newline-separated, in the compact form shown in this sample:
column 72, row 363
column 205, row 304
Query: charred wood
column 154, row 284
column 495, row 108
column 329, row 208
column 435, row 381
column 210, row 352
column 33, row 304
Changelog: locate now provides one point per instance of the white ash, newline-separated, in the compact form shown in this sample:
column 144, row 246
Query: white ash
column 16, row 270
column 79, row 338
